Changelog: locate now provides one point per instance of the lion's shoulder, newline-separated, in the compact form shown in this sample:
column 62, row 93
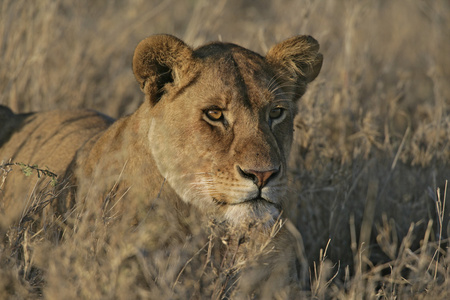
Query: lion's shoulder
column 51, row 129
column 49, row 140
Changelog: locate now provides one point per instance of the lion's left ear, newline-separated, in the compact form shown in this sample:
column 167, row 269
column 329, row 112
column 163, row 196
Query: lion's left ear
column 297, row 60
column 159, row 60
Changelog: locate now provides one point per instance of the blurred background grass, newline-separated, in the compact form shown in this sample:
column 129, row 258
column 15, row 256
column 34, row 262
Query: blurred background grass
column 372, row 136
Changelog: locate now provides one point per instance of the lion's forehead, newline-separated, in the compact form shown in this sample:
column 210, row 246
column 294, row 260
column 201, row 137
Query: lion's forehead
column 239, row 77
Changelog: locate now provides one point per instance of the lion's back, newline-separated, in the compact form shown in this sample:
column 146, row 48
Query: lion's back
column 48, row 140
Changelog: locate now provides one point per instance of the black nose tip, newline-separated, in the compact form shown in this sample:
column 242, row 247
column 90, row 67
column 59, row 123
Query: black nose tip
column 259, row 177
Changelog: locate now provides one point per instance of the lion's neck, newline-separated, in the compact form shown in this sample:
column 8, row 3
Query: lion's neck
column 128, row 170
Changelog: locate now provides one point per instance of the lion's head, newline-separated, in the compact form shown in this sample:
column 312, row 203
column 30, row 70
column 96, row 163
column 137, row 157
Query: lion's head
column 221, row 120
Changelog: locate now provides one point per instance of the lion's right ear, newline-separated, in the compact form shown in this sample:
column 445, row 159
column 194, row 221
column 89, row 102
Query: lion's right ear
column 297, row 61
column 157, row 61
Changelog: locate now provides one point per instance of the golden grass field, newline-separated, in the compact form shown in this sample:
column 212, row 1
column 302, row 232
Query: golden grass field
column 369, row 166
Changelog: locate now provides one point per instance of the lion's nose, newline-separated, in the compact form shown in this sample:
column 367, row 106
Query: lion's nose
column 260, row 178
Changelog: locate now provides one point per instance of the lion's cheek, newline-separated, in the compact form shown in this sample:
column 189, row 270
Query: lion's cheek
column 180, row 170
column 162, row 154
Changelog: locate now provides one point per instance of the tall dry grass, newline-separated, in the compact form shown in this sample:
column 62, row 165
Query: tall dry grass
column 368, row 168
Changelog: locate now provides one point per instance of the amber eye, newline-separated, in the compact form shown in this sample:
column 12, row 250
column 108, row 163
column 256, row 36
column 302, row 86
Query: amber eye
column 275, row 113
column 214, row 114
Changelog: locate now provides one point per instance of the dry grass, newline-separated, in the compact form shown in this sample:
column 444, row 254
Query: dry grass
column 368, row 169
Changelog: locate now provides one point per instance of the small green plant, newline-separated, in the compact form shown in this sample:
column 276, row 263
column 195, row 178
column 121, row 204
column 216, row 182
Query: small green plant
column 28, row 170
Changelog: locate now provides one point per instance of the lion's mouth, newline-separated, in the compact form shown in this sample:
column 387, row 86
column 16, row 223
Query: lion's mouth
column 252, row 201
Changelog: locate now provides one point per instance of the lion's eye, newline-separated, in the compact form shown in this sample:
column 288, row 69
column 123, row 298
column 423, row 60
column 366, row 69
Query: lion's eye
column 276, row 113
column 214, row 114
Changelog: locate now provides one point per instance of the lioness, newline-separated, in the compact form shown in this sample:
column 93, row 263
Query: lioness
column 214, row 133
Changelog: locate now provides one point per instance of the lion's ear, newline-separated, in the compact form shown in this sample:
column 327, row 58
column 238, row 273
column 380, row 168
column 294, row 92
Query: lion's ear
column 157, row 61
column 297, row 60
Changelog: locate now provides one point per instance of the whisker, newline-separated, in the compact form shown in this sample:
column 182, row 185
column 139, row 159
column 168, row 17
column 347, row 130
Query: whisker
column 274, row 81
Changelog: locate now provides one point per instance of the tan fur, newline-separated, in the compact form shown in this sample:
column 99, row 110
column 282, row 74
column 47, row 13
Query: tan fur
column 169, row 149
column 170, row 139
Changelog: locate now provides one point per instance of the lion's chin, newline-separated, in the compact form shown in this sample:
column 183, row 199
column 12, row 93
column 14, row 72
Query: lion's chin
column 252, row 212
